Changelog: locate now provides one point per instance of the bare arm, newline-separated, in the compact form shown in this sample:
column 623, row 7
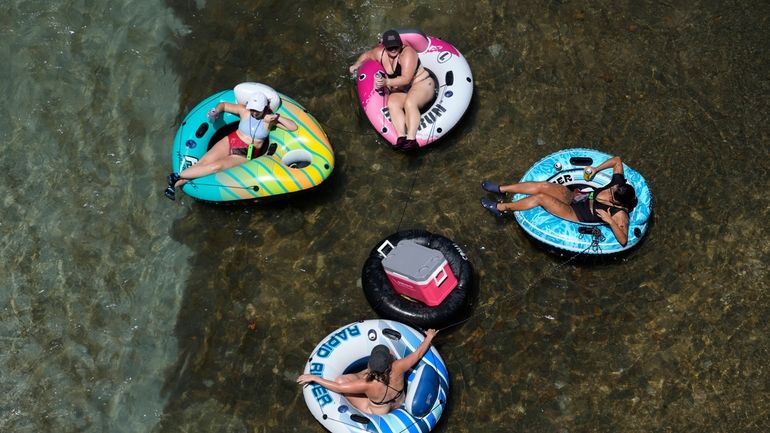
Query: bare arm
column 366, row 55
column 404, row 364
column 230, row 108
column 281, row 122
column 357, row 387
column 614, row 162
column 618, row 224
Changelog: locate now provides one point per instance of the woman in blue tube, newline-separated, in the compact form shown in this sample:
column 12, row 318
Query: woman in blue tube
column 609, row 204
column 379, row 388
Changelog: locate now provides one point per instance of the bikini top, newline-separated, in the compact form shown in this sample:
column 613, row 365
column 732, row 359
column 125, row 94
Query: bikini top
column 397, row 69
column 607, row 207
column 254, row 128
column 617, row 179
column 395, row 397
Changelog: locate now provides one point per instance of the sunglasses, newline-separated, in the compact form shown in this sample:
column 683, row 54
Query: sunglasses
column 393, row 49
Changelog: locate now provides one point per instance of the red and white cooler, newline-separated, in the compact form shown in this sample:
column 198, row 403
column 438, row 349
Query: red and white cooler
column 418, row 272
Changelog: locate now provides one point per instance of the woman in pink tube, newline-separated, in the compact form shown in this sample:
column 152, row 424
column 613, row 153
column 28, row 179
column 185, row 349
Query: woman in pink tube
column 409, row 83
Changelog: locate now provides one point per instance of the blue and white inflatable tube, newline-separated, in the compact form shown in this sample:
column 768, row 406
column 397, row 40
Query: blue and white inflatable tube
column 566, row 167
column 347, row 350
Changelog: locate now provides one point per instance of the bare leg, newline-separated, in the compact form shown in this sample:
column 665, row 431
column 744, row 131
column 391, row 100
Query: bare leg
column 551, row 204
column 220, row 150
column 559, row 192
column 419, row 95
column 216, row 159
column 396, row 107
column 200, row 170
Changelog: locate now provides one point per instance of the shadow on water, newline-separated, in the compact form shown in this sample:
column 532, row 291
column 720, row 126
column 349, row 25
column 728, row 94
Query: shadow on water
column 670, row 338
column 235, row 312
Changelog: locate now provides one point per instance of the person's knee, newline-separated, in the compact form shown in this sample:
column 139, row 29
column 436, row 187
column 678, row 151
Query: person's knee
column 411, row 105
column 540, row 198
column 396, row 100
column 550, row 189
column 540, row 187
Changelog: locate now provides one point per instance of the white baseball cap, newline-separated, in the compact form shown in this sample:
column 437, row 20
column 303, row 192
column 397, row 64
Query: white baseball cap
column 257, row 102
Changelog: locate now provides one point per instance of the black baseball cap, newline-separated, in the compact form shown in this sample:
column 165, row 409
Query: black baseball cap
column 380, row 359
column 391, row 39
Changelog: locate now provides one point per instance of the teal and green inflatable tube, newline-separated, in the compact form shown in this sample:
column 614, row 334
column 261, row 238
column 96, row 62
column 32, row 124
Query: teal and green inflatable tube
column 293, row 161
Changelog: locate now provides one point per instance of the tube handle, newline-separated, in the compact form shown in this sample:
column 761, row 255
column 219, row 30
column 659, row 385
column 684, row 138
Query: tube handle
column 385, row 244
column 443, row 277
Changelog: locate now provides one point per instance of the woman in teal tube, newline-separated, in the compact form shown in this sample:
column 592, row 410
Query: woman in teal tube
column 256, row 122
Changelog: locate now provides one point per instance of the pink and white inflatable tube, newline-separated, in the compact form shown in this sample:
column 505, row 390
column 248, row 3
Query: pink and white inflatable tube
column 454, row 88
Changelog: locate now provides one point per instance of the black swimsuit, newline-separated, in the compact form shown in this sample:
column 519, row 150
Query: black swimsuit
column 383, row 402
column 582, row 208
column 397, row 69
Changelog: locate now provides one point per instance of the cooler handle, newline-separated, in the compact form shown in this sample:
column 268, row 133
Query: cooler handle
column 443, row 277
column 385, row 244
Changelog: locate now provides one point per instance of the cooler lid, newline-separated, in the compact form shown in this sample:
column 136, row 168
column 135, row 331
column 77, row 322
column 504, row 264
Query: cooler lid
column 413, row 260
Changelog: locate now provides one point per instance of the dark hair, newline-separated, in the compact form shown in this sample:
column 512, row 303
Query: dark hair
column 265, row 111
column 625, row 196
column 380, row 376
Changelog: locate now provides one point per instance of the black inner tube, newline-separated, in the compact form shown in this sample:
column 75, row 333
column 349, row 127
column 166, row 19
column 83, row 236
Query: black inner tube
column 456, row 307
